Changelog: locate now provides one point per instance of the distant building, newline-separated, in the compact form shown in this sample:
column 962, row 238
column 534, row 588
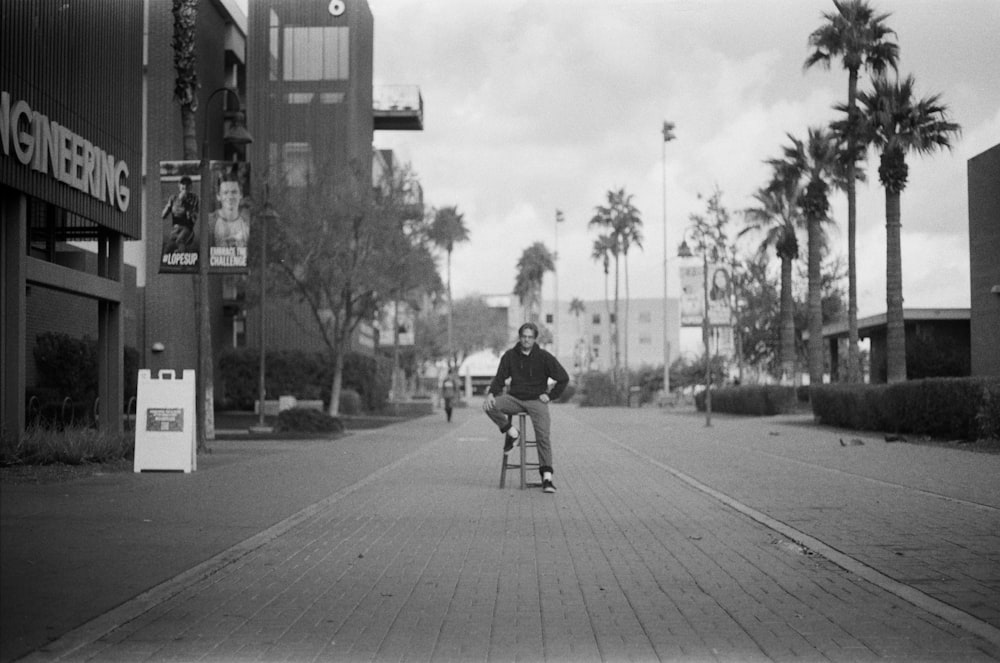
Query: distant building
column 984, row 260
column 313, row 110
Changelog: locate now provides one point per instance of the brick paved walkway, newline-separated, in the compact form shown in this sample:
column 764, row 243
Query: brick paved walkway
column 429, row 560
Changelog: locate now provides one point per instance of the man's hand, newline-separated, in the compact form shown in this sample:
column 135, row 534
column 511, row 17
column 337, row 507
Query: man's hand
column 544, row 398
column 489, row 403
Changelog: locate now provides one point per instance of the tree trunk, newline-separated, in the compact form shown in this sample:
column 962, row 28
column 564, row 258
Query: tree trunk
column 451, row 354
column 895, row 330
column 628, row 377
column 338, row 379
column 395, row 351
column 614, row 331
column 815, row 349
column 853, row 356
column 787, row 329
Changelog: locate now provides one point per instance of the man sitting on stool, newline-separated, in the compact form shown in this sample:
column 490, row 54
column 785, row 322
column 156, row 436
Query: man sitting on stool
column 529, row 368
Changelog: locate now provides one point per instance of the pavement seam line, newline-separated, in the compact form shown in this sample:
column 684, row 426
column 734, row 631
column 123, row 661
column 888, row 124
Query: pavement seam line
column 881, row 482
column 909, row 594
column 98, row 627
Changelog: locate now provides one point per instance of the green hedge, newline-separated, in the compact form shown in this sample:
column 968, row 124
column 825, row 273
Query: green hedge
column 949, row 408
column 305, row 375
column 757, row 400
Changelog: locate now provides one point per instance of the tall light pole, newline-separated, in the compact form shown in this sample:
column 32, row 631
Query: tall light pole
column 685, row 252
column 668, row 135
column 237, row 134
column 555, row 273
column 266, row 217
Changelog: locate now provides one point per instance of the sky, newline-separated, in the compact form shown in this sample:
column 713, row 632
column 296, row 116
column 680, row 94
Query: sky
column 533, row 106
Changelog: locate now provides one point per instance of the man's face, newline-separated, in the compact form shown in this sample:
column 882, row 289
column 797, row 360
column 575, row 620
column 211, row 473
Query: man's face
column 229, row 195
column 527, row 340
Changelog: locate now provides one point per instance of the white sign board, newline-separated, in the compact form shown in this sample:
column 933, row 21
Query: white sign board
column 165, row 422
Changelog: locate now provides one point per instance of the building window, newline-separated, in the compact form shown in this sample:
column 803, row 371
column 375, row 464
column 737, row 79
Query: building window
column 315, row 53
column 645, row 340
column 645, row 316
column 597, row 318
column 597, row 340
column 611, row 318
column 297, row 162
column 548, row 318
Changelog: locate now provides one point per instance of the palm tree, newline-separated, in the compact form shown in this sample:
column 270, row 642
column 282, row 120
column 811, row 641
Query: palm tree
column 778, row 216
column 894, row 121
column 447, row 229
column 818, row 161
column 860, row 38
column 184, row 43
column 604, row 248
column 531, row 268
column 577, row 307
column 623, row 221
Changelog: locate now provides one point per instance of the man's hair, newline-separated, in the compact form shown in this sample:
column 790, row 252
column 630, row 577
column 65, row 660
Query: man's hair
column 528, row 325
column 186, row 180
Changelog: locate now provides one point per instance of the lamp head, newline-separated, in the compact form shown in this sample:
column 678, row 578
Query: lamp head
column 237, row 133
column 684, row 251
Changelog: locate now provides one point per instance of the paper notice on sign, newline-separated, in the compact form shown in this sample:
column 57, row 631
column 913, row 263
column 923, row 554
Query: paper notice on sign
column 168, row 420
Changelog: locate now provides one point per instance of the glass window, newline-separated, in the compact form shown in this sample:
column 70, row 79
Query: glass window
column 597, row 339
column 645, row 316
column 316, row 53
column 597, row 318
column 645, row 340
column 298, row 163
column 548, row 318
column 273, row 36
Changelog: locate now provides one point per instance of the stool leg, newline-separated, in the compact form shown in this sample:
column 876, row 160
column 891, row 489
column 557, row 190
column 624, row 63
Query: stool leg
column 503, row 470
column 524, row 449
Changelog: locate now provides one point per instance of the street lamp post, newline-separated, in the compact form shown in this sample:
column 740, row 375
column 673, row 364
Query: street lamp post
column 555, row 274
column 685, row 252
column 236, row 135
column 267, row 217
column 668, row 135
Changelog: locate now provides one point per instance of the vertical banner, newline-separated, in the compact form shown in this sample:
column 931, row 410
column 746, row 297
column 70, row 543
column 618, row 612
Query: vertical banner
column 227, row 216
column 718, row 296
column 692, row 299
column 180, row 214
column 693, row 295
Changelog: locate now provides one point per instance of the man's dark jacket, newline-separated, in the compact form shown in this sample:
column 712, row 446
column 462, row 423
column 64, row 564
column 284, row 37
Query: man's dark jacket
column 529, row 374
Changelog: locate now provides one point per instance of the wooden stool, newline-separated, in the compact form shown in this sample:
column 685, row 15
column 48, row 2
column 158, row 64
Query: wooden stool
column 523, row 443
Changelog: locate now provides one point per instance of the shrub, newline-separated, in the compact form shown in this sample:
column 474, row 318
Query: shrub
column 302, row 420
column 67, row 368
column 988, row 416
column 599, row 390
column 305, row 375
column 350, row 402
column 954, row 408
column 567, row 394
column 758, row 400
column 42, row 445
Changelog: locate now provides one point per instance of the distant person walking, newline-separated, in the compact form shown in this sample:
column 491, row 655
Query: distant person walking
column 449, row 391
column 529, row 368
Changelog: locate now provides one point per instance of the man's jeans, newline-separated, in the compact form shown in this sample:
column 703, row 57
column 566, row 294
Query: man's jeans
column 539, row 413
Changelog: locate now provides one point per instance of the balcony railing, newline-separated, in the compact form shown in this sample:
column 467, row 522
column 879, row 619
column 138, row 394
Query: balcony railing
column 398, row 108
